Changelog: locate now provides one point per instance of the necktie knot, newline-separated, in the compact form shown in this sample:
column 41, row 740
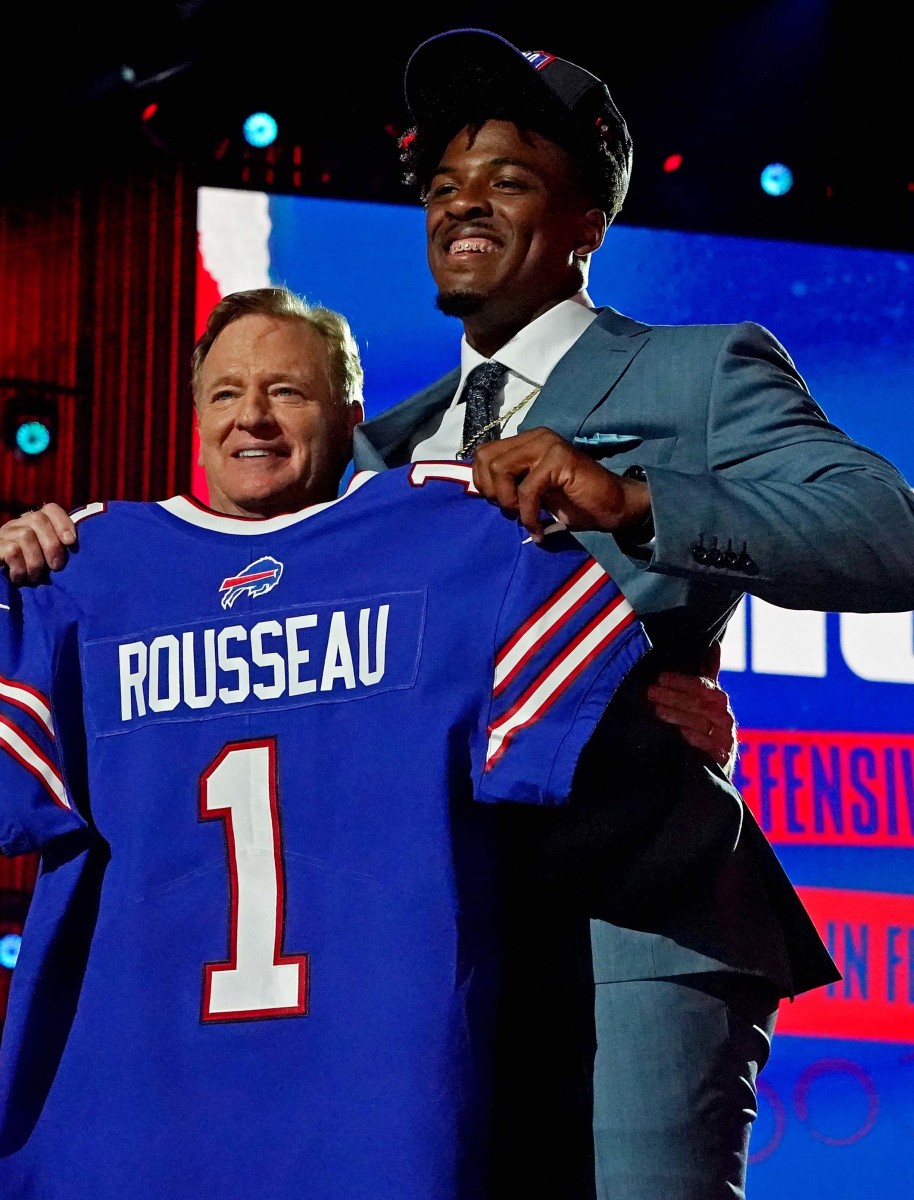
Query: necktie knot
column 480, row 420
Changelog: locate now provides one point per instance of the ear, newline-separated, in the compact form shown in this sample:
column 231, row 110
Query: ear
column 592, row 232
column 356, row 416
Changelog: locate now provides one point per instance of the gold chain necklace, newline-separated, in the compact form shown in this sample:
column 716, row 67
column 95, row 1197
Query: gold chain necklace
column 465, row 451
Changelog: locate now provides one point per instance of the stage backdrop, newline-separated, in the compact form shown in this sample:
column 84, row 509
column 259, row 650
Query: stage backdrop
column 824, row 701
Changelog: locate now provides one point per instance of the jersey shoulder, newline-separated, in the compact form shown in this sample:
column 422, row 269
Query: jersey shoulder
column 114, row 512
column 109, row 536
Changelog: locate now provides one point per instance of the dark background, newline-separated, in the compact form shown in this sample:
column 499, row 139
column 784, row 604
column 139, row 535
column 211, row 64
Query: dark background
column 731, row 86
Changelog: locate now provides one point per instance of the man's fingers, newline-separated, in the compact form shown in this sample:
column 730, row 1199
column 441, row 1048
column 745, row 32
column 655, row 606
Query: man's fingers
column 699, row 687
column 502, row 471
column 23, row 555
column 538, row 471
column 697, row 721
column 692, row 694
column 700, row 709
column 53, row 536
column 532, row 493
column 497, row 481
column 60, row 522
column 14, row 565
column 715, row 738
column 35, row 541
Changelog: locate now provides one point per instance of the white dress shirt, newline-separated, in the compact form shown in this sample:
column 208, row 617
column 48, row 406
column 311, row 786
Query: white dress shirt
column 529, row 356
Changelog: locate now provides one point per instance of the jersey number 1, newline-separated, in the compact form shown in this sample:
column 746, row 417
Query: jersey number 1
column 258, row 980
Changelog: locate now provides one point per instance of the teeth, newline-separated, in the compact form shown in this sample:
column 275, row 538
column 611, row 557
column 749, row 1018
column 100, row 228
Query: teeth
column 473, row 244
column 253, row 453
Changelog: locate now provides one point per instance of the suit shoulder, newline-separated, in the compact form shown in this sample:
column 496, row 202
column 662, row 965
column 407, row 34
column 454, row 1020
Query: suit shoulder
column 748, row 341
column 713, row 331
column 706, row 331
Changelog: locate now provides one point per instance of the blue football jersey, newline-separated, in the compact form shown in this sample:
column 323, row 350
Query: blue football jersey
column 260, row 759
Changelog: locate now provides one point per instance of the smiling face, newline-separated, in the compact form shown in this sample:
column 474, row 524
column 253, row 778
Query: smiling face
column 508, row 229
column 273, row 436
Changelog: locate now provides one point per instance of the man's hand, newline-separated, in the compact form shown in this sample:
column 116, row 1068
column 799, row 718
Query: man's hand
column 539, row 470
column 700, row 707
column 35, row 541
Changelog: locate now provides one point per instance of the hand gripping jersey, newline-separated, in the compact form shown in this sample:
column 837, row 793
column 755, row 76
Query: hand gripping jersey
column 260, row 759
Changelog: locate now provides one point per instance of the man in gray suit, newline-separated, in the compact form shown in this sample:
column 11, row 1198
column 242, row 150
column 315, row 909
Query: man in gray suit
column 696, row 467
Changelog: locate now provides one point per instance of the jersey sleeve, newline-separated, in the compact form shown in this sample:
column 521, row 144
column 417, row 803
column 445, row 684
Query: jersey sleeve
column 565, row 639
column 35, row 805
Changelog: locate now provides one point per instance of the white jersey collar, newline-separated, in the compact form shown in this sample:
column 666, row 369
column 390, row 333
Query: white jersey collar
column 194, row 512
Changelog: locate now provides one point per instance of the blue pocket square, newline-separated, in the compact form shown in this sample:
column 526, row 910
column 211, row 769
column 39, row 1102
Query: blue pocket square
column 608, row 443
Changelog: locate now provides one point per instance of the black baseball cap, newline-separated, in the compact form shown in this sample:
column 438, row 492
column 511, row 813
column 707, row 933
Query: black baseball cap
column 464, row 75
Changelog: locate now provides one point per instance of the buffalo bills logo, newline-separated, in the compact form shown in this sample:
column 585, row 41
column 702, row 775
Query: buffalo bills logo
column 260, row 577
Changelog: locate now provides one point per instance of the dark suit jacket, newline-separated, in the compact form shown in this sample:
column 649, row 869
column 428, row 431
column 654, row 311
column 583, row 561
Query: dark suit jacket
column 656, row 844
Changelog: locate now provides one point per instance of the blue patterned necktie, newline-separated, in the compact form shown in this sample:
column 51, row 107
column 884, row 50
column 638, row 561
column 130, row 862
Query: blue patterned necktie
column 480, row 416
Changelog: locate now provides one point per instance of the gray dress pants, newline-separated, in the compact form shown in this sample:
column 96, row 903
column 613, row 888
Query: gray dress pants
column 674, row 1085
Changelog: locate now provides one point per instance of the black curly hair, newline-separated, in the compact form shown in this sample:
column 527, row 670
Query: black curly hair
column 601, row 147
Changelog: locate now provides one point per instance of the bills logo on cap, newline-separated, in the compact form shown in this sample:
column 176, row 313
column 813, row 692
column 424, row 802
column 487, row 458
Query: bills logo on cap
column 260, row 577
column 538, row 59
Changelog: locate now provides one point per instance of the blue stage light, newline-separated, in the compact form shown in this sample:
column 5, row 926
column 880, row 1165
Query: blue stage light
column 260, row 129
column 776, row 179
column 33, row 438
column 30, row 417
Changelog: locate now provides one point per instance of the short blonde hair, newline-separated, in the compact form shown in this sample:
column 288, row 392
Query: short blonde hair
column 346, row 372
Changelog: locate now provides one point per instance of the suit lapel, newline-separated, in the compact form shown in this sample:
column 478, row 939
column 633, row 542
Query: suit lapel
column 376, row 442
column 583, row 377
column 577, row 385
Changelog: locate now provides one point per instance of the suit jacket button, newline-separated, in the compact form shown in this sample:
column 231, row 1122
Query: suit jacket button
column 715, row 555
column 699, row 550
column 635, row 471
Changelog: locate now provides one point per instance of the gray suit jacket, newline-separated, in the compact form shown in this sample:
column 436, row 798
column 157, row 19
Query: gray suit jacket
column 752, row 490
